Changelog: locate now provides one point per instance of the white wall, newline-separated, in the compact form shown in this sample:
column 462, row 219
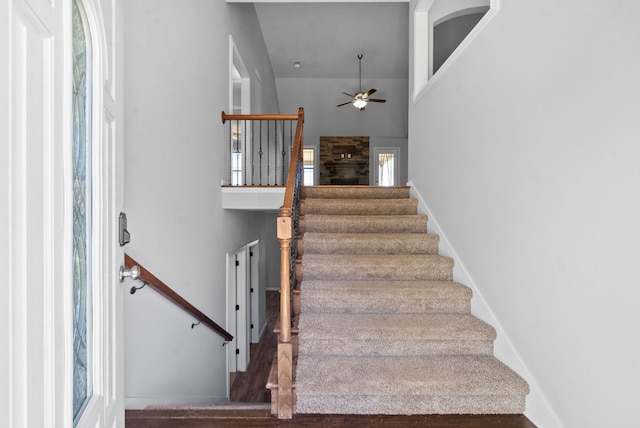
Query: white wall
column 176, row 75
column 526, row 152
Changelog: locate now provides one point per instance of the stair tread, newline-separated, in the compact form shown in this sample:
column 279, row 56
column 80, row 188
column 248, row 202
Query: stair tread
column 410, row 376
column 414, row 327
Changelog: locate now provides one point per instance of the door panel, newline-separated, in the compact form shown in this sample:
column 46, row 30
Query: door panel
column 36, row 199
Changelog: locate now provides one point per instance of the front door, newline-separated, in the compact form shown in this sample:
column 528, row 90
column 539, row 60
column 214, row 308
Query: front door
column 61, row 193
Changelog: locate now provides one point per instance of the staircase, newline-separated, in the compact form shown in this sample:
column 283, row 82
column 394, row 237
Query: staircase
column 383, row 329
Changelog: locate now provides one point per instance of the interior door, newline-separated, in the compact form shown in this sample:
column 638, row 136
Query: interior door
column 238, row 305
column 38, row 237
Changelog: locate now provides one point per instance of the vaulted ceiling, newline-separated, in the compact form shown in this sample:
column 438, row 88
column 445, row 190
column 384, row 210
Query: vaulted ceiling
column 327, row 37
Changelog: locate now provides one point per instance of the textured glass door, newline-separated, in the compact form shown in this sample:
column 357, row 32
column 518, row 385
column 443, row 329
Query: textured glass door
column 82, row 214
column 386, row 171
column 96, row 394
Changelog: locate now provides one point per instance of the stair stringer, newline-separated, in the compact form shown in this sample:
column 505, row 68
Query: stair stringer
column 538, row 408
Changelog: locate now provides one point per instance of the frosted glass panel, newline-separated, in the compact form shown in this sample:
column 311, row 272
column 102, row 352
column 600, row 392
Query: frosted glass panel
column 386, row 169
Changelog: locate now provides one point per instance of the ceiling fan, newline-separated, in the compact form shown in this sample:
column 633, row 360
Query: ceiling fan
column 360, row 99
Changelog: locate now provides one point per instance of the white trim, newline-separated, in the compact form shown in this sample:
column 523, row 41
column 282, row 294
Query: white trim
column 253, row 273
column 504, row 349
column 231, row 324
column 235, row 60
column 265, row 199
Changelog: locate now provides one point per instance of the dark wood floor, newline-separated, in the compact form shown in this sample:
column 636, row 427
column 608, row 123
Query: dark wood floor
column 262, row 418
column 249, row 387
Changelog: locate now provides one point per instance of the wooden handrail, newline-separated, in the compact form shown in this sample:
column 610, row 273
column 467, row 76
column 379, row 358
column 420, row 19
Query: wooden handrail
column 168, row 292
column 287, row 205
column 226, row 117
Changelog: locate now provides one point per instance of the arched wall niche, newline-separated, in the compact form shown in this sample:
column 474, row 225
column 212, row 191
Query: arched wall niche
column 426, row 16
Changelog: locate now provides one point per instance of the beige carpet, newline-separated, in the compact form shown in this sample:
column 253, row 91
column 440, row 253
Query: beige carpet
column 383, row 328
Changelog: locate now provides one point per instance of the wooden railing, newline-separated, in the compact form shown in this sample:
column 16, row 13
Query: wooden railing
column 260, row 147
column 287, row 231
column 152, row 281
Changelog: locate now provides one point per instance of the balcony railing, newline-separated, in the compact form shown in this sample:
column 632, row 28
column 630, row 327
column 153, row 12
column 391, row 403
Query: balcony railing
column 259, row 148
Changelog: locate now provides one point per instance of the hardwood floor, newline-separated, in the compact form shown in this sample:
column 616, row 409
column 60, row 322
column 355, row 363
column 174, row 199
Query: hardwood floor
column 249, row 386
column 262, row 418
column 253, row 408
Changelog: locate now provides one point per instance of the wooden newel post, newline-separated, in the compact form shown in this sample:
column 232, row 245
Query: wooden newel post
column 285, row 350
column 284, row 235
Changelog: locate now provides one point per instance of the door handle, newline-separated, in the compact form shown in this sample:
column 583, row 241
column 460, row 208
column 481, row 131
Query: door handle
column 133, row 273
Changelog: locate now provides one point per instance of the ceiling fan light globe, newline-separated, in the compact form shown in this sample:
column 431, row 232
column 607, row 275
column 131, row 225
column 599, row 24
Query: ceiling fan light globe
column 359, row 103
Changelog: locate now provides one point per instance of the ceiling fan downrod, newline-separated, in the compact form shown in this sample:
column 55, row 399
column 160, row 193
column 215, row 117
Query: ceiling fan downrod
column 360, row 71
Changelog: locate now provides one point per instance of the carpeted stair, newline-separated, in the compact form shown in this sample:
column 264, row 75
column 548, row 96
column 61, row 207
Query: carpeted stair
column 383, row 329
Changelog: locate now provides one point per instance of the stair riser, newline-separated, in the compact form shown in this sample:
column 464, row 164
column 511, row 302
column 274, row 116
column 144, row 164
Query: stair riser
column 432, row 272
column 410, row 404
column 425, row 244
column 355, row 192
column 415, row 224
column 396, row 348
column 388, row 306
column 359, row 207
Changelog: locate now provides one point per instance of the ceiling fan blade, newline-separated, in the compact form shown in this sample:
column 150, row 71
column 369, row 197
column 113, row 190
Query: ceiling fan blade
column 344, row 104
column 374, row 100
column 349, row 95
column 371, row 91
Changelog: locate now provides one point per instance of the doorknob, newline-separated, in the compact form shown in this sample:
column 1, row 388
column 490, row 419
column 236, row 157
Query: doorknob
column 133, row 273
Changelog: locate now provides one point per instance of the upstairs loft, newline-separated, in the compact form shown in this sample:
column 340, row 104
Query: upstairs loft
column 258, row 155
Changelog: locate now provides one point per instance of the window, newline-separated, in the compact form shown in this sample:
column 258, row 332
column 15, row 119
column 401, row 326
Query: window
column 236, row 168
column 82, row 212
column 308, row 161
